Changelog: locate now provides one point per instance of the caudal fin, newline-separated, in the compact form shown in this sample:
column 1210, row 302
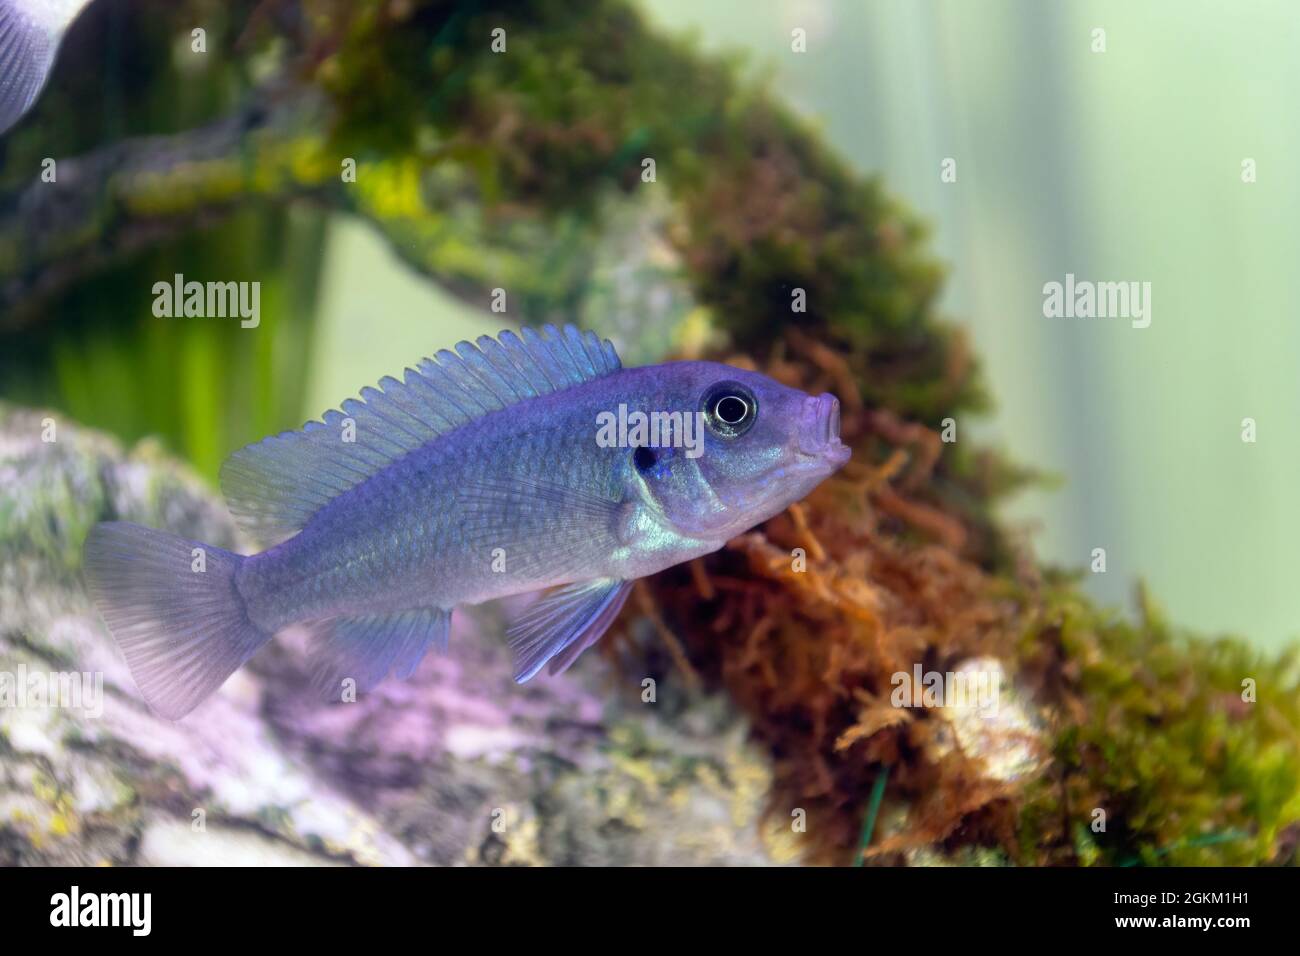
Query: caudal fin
column 174, row 609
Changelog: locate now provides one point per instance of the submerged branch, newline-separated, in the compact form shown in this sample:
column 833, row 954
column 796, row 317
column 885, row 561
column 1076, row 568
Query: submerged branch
column 104, row 206
column 130, row 195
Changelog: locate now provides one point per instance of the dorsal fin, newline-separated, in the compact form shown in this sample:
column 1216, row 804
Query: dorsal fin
column 274, row 486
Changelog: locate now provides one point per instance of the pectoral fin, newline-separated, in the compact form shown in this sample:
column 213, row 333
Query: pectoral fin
column 565, row 623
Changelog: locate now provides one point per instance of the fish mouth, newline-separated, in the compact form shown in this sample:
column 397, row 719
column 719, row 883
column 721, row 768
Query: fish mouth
column 819, row 436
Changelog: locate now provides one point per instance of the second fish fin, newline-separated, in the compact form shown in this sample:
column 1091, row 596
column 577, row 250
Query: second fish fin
column 370, row 647
column 29, row 38
column 564, row 623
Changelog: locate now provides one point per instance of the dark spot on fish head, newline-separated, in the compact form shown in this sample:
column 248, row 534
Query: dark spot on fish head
column 645, row 458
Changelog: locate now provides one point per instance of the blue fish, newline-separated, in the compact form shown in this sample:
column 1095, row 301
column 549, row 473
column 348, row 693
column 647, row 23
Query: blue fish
column 517, row 464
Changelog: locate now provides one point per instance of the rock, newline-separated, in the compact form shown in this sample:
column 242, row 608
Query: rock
column 459, row 765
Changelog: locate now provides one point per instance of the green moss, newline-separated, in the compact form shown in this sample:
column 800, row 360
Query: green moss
column 565, row 118
column 1153, row 729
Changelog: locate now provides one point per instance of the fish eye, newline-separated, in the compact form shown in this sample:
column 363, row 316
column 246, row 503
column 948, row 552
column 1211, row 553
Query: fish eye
column 730, row 409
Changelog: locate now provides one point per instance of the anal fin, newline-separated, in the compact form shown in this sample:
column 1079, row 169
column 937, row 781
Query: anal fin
column 564, row 623
column 369, row 648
